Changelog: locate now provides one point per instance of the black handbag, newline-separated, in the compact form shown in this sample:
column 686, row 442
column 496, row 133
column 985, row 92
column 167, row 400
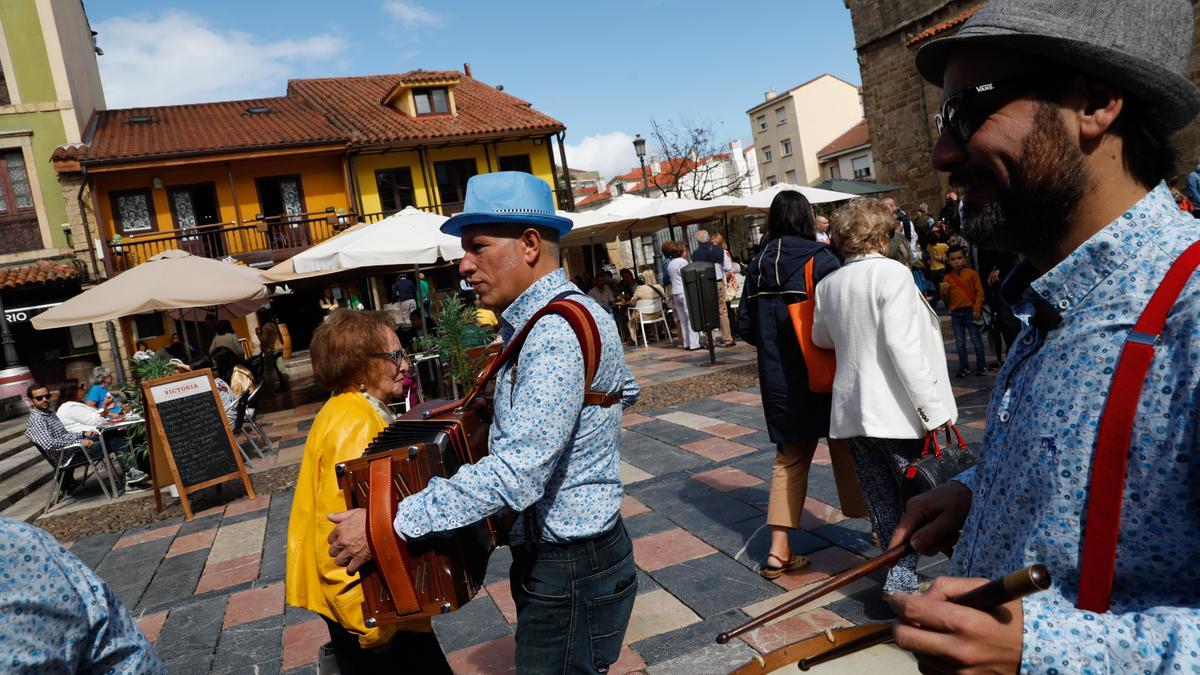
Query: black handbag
column 937, row 464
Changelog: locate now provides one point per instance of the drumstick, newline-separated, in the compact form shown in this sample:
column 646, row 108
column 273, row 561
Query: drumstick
column 889, row 557
column 994, row 593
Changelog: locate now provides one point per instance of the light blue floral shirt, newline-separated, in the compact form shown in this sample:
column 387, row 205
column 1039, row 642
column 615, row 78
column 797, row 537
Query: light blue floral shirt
column 1030, row 487
column 57, row 616
column 545, row 446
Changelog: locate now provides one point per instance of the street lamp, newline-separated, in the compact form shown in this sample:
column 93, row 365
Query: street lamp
column 639, row 147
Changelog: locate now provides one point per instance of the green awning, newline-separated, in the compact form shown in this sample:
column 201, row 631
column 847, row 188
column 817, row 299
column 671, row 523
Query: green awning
column 856, row 187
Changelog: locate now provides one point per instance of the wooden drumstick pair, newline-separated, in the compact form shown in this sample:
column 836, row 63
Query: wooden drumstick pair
column 839, row 642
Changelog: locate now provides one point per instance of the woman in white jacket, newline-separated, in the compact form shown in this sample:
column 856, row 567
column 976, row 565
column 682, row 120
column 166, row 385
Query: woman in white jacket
column 891, row 386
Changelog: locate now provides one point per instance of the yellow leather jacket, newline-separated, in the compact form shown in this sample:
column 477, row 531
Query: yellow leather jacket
column 341, row 430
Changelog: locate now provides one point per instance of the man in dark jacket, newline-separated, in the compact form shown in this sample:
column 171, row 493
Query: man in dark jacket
column 707, row 251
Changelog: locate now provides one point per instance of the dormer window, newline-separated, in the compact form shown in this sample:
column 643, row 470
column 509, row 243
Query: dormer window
column 431, row 101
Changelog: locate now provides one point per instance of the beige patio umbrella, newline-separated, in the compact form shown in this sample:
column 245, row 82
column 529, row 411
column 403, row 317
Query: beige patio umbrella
column 170, row 280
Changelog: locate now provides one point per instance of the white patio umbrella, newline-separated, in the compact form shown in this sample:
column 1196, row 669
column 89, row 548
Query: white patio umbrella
column 170, row 280
column 410, row 237
column 760, row 202
column 668, row 212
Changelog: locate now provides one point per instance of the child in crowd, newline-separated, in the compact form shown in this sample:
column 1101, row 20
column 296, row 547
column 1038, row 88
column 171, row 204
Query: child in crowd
column 962, row 292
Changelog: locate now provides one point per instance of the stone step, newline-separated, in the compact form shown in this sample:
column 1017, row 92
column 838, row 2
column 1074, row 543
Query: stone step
column 32, row 505
column 10, row 429
column 19, row 461
column 13, row 490
column 14, row 446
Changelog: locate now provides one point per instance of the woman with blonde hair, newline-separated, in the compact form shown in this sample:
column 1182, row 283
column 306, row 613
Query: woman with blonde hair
column 891, row 388
column 673, row 251
column 357, row 357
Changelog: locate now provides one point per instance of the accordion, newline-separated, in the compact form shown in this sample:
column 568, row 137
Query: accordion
column 437, row 574
column 440, row 573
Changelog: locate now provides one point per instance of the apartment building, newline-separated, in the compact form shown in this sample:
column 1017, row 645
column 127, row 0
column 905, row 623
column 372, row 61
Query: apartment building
column 790, row 128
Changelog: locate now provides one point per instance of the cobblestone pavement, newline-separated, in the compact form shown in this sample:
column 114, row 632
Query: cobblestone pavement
column 209, row 593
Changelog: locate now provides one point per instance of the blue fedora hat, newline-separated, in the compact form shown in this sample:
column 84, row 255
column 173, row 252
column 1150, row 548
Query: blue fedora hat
column 507, row 197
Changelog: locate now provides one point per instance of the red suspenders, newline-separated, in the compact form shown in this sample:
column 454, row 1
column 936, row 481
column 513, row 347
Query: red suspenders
column 1111, row 457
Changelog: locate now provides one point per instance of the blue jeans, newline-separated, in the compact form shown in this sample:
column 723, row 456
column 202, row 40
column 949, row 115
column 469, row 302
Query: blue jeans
column 573, row 602
column 963, row 320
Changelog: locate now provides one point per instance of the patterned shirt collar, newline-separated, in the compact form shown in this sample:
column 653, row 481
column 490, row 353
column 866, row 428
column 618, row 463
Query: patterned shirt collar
column 534, row 298
column 1070, row 281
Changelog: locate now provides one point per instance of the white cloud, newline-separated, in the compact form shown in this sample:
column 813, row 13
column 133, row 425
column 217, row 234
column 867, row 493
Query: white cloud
column 178, row 57
column 411, row 14
column 611, row 154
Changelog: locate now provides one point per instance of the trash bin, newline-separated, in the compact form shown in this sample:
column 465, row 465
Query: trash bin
column 700, row 291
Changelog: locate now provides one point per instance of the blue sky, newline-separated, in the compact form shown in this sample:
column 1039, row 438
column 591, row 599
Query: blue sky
column 603, row 69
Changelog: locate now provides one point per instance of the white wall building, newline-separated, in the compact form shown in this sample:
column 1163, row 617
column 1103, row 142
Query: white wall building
column 849, row 157
column 791, row 128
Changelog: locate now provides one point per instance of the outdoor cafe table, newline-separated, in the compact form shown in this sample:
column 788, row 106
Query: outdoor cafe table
column 129, row 421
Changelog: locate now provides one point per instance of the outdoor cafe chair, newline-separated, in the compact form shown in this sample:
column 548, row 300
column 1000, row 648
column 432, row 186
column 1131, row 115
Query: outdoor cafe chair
column 649, row 307
column 71, row 457
column 244, row 419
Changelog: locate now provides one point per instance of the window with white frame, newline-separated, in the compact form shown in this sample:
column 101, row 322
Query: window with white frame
column 767, row 153
column 861, row 166
column 762, row 122
column 771, row 181
column 781, row 115
column 785, row 147
column 790, row 176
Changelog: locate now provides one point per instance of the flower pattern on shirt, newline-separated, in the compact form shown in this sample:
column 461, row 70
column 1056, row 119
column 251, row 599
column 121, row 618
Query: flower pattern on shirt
column 1030, row 486
column 57, row 616
column 544, row 446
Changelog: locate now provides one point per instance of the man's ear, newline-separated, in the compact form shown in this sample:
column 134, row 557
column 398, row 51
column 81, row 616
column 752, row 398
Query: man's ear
column 531, row 245
column 1099, row 104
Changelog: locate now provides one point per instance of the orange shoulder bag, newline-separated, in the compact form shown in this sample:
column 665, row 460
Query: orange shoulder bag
column 821, row 363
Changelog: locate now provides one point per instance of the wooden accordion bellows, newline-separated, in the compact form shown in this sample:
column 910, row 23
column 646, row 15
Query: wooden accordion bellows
column 437, row 574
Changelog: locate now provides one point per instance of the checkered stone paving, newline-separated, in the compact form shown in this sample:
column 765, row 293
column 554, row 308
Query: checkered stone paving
column 209, row 593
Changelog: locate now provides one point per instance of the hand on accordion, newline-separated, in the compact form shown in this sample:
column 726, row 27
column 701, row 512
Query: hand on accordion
column 348, row 542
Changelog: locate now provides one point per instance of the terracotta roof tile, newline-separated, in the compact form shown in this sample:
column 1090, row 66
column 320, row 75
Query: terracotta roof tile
column 40, row 272
column 353, row 103
column 134, row 133
column 944, row 26
column 417, row 76
column 859, row 134
column 593, row 199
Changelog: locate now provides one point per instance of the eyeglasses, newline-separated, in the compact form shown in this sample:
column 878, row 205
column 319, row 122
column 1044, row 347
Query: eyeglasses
column 964, row 112
column 394, row 356
column 43, row 397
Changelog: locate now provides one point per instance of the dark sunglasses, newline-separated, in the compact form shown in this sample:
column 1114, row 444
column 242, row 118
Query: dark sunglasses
column 964, row 112
column 43, row 397
column 394, row 356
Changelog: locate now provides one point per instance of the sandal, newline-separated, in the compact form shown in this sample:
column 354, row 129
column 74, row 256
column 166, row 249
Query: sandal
column 770, row 571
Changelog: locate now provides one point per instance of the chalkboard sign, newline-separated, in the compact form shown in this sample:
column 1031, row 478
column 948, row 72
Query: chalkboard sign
column 190, row 436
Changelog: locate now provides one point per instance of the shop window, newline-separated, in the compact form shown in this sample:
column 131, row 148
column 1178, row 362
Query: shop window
column 395, row 189
column 147, row 326
column 516, row 163
column 431, row 101
column 133, row 210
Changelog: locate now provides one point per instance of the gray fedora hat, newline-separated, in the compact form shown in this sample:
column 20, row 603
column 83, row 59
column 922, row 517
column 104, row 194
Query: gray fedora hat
column 1140, row 46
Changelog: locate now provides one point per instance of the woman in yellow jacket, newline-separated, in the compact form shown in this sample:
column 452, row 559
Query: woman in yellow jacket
column 357, row 357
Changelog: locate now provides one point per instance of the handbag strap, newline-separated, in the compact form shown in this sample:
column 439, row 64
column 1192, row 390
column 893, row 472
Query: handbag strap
column 1111, row 457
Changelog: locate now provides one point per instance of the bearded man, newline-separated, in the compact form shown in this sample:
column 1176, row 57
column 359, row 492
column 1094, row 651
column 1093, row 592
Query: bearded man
column 1056, row 122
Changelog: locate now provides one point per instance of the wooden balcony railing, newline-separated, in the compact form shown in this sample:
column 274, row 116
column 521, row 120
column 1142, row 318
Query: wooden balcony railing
column 261, row 242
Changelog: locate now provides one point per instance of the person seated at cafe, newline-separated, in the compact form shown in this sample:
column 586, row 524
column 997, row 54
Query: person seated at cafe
column 357, row 357
column 99, row 396
column 77, row 417
column 226, row 337
column 627, row 283
column 647, row 290
column 601, row 292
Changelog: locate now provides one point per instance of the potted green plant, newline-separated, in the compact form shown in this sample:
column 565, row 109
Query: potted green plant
column 143, row 366
column 456, row 336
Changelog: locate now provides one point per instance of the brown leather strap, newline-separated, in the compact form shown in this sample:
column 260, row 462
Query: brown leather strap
column 391, row 558
column 586, row 331
column 603, row 400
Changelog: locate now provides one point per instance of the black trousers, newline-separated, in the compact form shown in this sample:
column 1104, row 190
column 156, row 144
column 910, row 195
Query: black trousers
column 410, row 651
